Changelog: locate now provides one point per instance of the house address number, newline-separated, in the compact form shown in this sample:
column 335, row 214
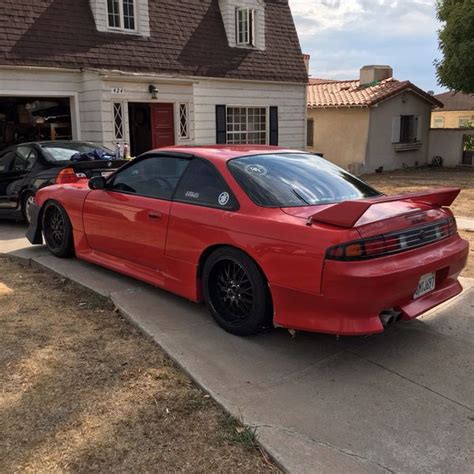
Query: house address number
column 118, row 90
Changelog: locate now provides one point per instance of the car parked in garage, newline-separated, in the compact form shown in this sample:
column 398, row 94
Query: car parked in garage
column 27, row 167
column 264, row 236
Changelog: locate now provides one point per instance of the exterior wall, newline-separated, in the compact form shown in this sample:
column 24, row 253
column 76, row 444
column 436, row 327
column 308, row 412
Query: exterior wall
column 451, row 117
column 289, row 98
column 380, row 150
column 114, row 88
column 92, row 95
column 99, row 11
column 448, row 144
column 228, row 7
column 341, row 135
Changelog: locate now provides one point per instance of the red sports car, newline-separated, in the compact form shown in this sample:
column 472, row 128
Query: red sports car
column 263, row 235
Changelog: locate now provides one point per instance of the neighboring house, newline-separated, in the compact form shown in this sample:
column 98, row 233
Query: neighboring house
column 371, row 122
column 151, row 73
column 458, row 111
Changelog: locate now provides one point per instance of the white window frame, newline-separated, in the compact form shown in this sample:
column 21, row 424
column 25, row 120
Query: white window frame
column 118, row 138
column 182, row 136
column 234, row 132
column 249, row 40
column 440, row 124
column 466, row 118
column 122, row 18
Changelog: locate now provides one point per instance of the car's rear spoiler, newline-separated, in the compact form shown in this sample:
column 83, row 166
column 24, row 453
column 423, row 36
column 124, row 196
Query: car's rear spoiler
column 347, row 213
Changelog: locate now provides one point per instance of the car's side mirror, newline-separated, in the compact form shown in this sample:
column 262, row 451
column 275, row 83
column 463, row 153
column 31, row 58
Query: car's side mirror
column 97, row 182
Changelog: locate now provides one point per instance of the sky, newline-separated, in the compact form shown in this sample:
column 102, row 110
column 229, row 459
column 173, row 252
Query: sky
column 343, row 35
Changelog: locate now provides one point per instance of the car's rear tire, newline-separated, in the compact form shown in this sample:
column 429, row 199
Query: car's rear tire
column 57, row 231
column 236, row 292
column 27, row 199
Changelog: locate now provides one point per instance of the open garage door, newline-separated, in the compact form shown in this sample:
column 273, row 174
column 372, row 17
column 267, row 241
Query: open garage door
column 25, row 119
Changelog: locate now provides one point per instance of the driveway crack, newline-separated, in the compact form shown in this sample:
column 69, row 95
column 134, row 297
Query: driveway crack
column 412, row 381
column 328, row 445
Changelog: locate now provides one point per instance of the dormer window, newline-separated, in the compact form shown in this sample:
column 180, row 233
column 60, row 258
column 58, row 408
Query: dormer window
column 121, row 14
column 245, row 26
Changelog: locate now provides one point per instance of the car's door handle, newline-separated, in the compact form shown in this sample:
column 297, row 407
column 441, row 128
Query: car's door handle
column 155, row 215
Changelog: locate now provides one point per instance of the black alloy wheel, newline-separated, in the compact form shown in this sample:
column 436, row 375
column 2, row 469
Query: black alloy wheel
column 236, row 292
column 57, row 231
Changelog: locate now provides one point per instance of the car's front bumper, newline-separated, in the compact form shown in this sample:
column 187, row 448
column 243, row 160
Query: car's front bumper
column 354, row 294
column 34, row 232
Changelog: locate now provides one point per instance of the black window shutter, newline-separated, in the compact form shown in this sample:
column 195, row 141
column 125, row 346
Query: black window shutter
column 273, row 126
column 221, row 125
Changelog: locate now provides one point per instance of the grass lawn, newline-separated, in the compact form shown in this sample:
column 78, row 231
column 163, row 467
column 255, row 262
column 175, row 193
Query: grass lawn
column 414, row 179
column 82, row 390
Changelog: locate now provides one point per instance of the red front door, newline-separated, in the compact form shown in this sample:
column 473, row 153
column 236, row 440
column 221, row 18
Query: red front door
column 162, row 125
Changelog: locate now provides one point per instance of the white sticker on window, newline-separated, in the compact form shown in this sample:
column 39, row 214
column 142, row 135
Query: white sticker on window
column 258, row 170
column 223, row 198
column 192, row 194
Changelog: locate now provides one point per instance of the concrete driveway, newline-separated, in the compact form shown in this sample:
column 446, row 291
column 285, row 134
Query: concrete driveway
column 402, row 401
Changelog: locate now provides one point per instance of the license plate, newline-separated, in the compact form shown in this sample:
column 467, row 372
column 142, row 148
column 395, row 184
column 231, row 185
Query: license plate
column 425, row 285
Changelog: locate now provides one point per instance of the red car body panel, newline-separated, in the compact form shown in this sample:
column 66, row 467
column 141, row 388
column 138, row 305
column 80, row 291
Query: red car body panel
column 164, row 243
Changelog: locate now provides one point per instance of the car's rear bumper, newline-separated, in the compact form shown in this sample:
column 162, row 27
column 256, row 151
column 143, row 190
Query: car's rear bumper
column 353, row 294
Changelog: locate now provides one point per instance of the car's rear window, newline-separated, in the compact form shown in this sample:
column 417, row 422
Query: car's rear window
column 65, row 151
column 296, row 179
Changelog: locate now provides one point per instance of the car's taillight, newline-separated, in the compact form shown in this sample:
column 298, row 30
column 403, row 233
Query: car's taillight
column 394, row 242
column 68, row 175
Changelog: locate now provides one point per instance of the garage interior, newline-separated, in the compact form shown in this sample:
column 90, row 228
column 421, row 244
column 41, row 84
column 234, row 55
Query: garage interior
column 26, row 119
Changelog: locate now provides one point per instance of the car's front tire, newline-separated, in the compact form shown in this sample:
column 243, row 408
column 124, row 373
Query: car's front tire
column 57, row 231
column 236, row 292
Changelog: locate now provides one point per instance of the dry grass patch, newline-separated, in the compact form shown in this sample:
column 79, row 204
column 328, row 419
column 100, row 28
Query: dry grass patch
column 82, row 390
column 415, row 179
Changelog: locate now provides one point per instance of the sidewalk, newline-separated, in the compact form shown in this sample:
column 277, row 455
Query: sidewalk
column 465, row 223
column 401, row 401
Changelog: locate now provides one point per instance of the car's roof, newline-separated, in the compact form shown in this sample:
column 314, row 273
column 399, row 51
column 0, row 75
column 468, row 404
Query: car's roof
column 226, row 152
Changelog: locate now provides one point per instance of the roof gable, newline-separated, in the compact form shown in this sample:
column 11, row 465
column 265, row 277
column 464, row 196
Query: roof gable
column 186, row 38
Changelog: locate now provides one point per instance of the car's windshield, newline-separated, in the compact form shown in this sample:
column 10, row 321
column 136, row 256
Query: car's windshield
column 65, row 151
column 296, row 179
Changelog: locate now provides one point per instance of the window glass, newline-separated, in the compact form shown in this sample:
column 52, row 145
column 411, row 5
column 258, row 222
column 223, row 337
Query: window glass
column 408, row 126
column 113, row 11
column 299, row 179
column 5, row 160
column 203, row 185
column 245, row 26
column 154, row 177
column 63, row 151
column 246, row 125
column 310, row 132
column 25, row 158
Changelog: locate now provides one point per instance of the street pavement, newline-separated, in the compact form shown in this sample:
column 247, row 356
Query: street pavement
column 402, row 401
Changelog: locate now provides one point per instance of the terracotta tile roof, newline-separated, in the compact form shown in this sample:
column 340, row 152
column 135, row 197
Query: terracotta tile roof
column 330, row 93
column 456, row 100
column 187, row 38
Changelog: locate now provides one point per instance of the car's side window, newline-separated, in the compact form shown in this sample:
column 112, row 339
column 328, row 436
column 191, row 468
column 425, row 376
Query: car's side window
column 25, row 158
column 155, row 177
column 203, row 185
column 5, row 160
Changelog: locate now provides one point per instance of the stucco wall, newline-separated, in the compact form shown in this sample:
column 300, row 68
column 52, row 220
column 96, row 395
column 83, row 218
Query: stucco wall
column 447, row 144
column 341, row 135
column 451, row 117
column 381, row 151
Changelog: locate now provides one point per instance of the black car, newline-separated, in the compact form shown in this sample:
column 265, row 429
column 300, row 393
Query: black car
column 28, row 167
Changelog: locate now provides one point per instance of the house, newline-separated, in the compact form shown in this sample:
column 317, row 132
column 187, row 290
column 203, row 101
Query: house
column 457, row 111
column 151, row 73
column 370, row 122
